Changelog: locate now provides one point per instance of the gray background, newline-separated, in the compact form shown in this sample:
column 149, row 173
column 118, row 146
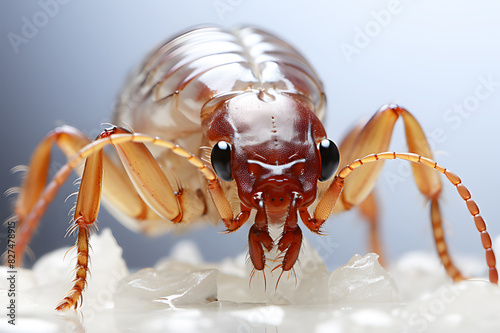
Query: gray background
column 427, row 57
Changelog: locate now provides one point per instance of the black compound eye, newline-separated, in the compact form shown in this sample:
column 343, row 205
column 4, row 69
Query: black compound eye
column 221, row 160
column 330, row 158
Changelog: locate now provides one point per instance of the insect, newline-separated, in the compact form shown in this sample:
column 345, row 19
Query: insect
column 229, row 116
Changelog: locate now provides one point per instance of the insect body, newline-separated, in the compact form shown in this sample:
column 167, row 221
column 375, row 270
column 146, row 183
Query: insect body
column 229, row 115
column 256, row 101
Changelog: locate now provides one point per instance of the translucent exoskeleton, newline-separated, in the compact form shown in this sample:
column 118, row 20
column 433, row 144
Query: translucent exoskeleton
column 213, row 117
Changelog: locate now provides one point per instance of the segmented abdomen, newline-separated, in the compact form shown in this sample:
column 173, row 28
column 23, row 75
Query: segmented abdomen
column 165, row 95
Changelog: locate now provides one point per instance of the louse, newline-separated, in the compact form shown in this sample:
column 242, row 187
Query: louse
column 225, row 115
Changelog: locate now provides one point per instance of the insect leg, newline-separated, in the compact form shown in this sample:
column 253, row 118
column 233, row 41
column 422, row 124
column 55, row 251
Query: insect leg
column 369, row 206
column 375, row 137
column 133, row 157
column 149, row 181
column 90, row 190
column 87, row 208
column 430, row 186
column 369, row 210
column 462, row 190
column 216, row 192
column 259, row 237
column 120, row 136
column 32, row 202
column 34, row 183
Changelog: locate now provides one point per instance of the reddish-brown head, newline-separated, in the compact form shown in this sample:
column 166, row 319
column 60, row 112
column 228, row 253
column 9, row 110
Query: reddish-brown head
column 275, row 149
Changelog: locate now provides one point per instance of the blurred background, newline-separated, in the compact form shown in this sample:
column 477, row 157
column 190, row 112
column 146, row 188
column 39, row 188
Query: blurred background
column 63, row 62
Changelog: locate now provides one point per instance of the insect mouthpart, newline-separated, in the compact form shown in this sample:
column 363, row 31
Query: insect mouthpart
column 277, row 194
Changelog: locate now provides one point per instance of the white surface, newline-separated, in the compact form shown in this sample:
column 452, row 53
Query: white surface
column 183, row 293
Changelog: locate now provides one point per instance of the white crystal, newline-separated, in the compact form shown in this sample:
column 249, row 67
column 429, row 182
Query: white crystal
column 362, row 280
column 172, row 287
column 183, row 293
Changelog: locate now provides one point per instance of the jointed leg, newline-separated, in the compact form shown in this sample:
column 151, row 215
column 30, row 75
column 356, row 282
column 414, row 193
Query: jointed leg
column 148, row 180
column 26, row 211
column 369, row 210
column 369, row 206
column 87, row 208
column 32, row 202
column 441, row 247
column 375, row 137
